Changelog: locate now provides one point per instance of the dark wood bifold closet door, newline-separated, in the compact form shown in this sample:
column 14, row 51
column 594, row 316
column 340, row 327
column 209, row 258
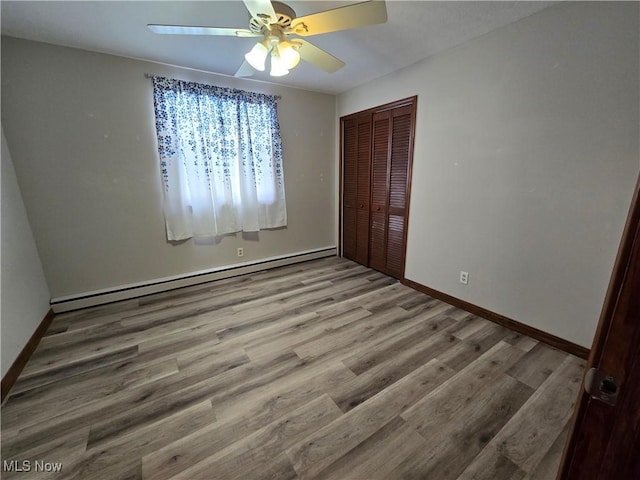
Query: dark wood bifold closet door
column 389, row 177
column 356, row 156
column 386, row 170
column 379, row 194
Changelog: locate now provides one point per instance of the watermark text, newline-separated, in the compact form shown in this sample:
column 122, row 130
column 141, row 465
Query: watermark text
column 31, row 466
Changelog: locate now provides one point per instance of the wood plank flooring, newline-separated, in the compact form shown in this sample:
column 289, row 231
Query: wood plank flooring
column 323, row 370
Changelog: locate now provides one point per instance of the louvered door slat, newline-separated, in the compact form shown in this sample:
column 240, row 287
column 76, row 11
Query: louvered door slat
column 349, row 233
column 350, row 188
column 377, row 241
column 395, row 245
column 350, row 138
column 400, row 148
column 379, row 192
column 380, row 160
column 356, row 141
column 363, row 189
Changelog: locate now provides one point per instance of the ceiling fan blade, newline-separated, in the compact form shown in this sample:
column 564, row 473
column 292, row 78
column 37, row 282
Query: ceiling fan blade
column 321, row 59
column 245, row 70
column 192, row 30
column 261, row 9
column 343, row 18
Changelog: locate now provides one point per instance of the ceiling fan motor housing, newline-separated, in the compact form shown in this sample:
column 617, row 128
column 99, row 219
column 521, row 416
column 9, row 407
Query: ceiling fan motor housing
column 284, row 14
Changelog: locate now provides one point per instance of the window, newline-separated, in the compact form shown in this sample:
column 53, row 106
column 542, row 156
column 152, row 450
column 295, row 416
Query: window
column 221, row 159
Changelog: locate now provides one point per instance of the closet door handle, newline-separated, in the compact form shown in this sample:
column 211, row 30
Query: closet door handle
column 362, row 205
column 378, row 208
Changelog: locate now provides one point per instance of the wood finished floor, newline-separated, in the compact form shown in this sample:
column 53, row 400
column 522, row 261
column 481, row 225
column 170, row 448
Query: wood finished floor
column 325, row 369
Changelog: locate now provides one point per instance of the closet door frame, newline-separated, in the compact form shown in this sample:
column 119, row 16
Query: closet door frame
column 409, row 101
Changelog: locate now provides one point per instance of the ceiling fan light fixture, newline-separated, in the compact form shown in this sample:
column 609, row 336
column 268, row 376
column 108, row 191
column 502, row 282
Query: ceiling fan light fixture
column 273, row 22
column 278, row 66
column 257, row 56
column 288, row 54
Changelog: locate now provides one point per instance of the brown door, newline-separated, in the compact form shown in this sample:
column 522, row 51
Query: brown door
column 390, row 164
column 377, row 149
column 605, row 438
column 399, row 170
column 379, row 190
column 356, row 136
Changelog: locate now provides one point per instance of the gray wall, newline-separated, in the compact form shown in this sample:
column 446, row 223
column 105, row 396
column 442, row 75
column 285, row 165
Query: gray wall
column 526, row 155
column 25, row 295
column 81, row 128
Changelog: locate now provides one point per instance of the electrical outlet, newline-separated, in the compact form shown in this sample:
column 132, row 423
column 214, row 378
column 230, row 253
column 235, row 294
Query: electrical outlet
column 240, row 252
column 464, row 278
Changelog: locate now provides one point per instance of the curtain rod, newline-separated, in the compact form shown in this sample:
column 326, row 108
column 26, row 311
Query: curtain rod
column 151, row 75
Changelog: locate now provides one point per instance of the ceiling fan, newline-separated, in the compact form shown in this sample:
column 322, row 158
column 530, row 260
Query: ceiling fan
column 279, row 29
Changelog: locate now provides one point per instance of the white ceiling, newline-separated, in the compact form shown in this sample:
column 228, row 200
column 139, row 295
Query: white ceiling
column 414, row 30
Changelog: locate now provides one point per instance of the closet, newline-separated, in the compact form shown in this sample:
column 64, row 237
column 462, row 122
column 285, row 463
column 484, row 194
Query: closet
column 376, row 157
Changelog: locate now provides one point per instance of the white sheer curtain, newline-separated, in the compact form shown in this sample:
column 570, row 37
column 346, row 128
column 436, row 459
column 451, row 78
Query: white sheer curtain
column 221, row 159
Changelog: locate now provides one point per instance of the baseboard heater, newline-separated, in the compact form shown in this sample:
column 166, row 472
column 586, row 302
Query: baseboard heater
column 134, row 290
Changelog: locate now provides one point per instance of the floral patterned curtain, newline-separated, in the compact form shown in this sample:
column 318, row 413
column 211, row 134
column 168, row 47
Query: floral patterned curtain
column 221, row 159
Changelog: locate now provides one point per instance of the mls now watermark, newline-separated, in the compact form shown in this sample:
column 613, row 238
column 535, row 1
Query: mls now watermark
column 31, row 466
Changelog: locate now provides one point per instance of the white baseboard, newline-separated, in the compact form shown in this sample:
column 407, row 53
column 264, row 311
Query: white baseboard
column 133, row 290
